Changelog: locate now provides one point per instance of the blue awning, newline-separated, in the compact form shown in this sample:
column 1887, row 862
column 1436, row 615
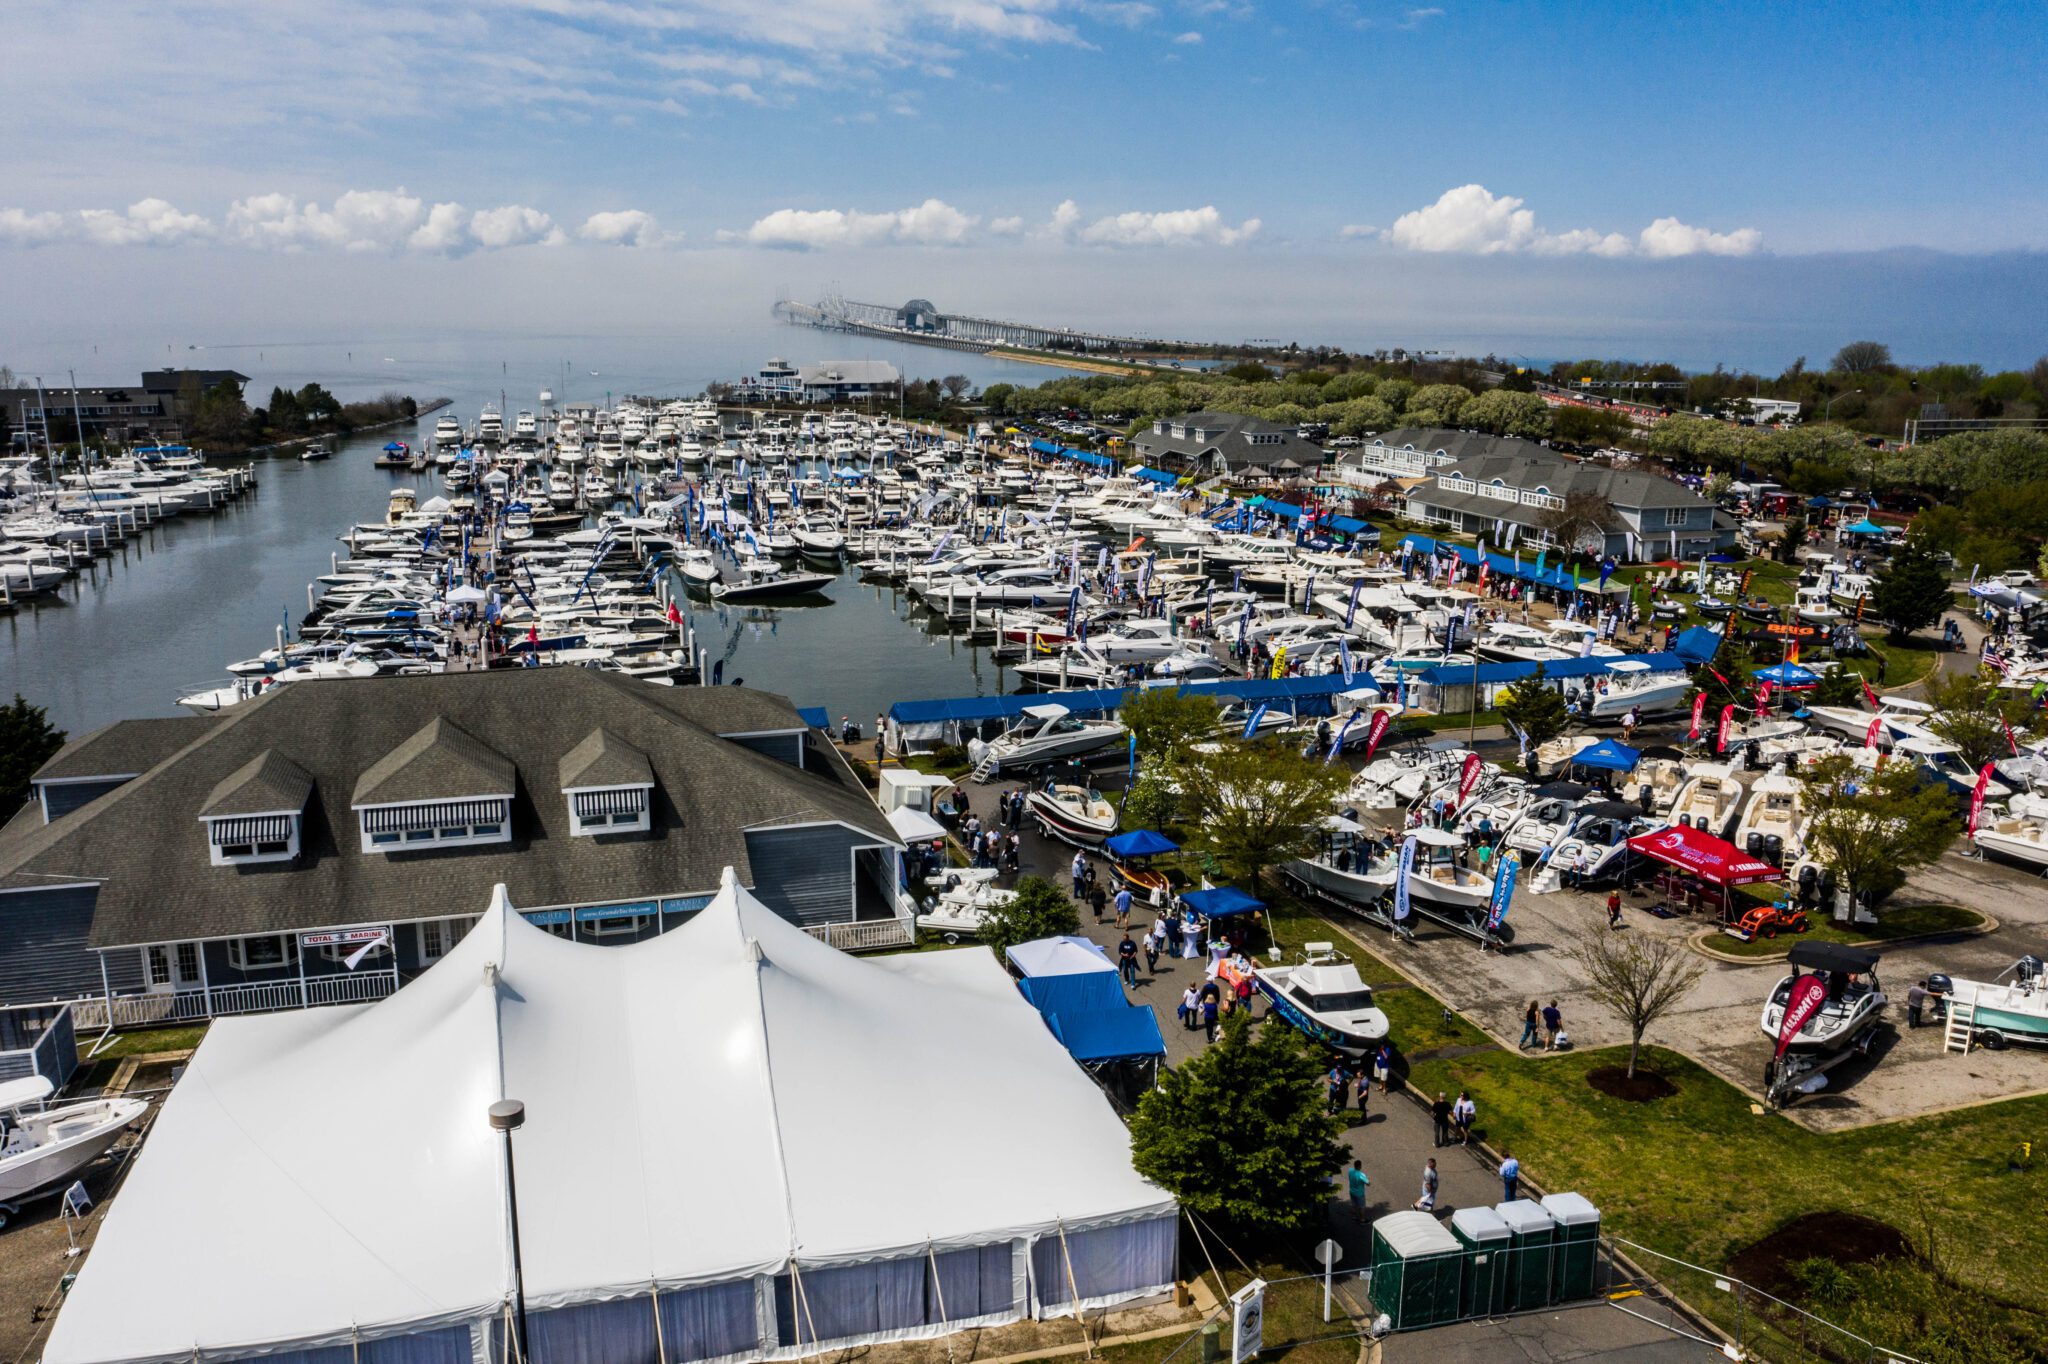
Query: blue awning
column 1302, row 695
column 1461, row 674
column 1221, row 902
column 1608, row 756
column 1286, row 511
column 1350, row 525
column 1120, row 1034
column 1140, row 843
column 1697, row 644
column 1078, row 991
column 817, row 717
column 1154, row 476
column 1043, row 447
column 1864, row 527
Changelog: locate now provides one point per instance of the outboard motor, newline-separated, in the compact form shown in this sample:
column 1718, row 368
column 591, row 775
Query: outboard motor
column 1809, row 885
column 2029, row 971
column 1774, row 850
column 1754, row 844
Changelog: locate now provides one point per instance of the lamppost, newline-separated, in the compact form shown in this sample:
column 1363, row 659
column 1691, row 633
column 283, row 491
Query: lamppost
column 507, row 1116
column 1827, row 412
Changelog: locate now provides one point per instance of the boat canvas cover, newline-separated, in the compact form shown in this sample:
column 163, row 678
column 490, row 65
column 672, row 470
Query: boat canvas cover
column 1699, row 852
column 328, row 1171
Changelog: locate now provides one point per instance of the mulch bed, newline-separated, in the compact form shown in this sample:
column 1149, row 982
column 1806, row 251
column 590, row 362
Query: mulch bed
column 1614, row 1082
column 1847, row 1238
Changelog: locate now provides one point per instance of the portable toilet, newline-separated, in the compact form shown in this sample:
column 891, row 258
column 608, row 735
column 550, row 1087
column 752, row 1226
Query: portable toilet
column 1577, row 1246
column 1531, row 1234
column 1417, row 1270
column 1487, row 1264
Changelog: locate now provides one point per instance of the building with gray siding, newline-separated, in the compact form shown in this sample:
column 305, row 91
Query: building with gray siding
column 328, row 840
column 1224, row 443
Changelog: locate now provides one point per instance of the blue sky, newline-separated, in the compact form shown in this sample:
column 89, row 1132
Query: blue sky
column 1560, row 168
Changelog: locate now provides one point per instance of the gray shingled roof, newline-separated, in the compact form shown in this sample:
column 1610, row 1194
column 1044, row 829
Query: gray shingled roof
column 126, row 748
column 142, row 842
column 1461, row 444
column 604, row 759
column 441, row 761
column 1628, row 489
column 267, row 784
column 1227, row 433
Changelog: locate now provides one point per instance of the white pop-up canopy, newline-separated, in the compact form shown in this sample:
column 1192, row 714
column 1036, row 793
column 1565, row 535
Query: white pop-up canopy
column 702, row 1109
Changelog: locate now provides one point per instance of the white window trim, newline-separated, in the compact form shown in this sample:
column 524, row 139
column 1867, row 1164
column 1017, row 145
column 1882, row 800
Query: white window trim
column 579, row 827
column 219, row 856
column 1677, row 518
column 408, row 842
column 614, row 928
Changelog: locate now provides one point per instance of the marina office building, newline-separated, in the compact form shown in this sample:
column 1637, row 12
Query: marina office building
column 828, row 381
column 329, row 840
column 158, row 407
column 1498, row 482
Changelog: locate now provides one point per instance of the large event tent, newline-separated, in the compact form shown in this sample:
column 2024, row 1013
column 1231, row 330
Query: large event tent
column 739, row 1143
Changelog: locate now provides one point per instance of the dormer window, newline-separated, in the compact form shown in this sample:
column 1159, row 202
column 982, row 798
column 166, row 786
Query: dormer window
column 609, row 785
column 441, row 788
column 256, row 813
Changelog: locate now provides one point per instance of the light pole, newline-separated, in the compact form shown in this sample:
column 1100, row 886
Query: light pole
column 1827, row 412
column 507, row 1116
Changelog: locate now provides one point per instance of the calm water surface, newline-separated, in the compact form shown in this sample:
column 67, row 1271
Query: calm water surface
column 166, row 612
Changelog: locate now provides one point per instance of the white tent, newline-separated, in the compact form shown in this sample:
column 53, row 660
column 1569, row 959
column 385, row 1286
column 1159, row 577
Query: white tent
column 1063, row 956
column 915, row 826
column 740, row 1143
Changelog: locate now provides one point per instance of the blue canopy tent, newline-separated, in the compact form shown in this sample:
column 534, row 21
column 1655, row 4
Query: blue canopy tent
column 1697, row 644
column 1864, row 527
column 1819, row 503
column 1221, row 902
column 1093, row 1020
column 1155, row 476
column 392, row 447
column 1286, row 511
column 1140, row 843
column 1608, row 755
column 817, row 717
column 1786, row 675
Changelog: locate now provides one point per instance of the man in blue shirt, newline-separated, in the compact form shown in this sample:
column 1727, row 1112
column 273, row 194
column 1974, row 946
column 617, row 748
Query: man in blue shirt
column 1356, row 1180
column 1510, row 1175
column 1123, row 908
column 1080, row 871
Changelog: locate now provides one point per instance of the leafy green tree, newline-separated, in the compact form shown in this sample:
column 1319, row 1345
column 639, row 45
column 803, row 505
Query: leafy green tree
column 1166, row 721
column 1506, row 412
column 996, row 397
column 1537, row 708
column 1912, row 592
column 1792, row 541
column 1252, row 805
column 1446, row 401
column 27, row 741
column 221, row 416
column 1974, row 715
column 1150, row 804
column 1040, row 910
column 1872, row 828
column 1242, row 1133
column 1588, row 425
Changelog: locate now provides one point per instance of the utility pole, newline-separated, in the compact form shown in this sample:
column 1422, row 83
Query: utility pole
column 78, row 421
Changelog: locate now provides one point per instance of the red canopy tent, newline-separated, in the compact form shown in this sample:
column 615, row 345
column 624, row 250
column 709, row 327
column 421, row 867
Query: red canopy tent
column 1699, row 853
column 1704, row 859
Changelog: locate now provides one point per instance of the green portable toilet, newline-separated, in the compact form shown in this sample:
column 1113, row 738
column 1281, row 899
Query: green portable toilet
column 1577, row 1246
column 1485, row 1239
column 1417, row 1270
column 1531, row 1234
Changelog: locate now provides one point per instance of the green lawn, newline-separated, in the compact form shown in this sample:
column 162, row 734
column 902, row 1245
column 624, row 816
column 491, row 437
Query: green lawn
column 1904, row 921
column 144, row 1041
column 1904, row 664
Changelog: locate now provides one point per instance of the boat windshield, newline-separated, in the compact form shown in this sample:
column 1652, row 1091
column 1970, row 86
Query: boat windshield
column 1347, row 1002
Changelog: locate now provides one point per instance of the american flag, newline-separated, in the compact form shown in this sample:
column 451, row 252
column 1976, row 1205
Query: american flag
column 1996, row 658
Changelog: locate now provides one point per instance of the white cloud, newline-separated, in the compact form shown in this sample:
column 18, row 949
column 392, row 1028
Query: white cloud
column 1174, row 227
column 1669, row 237
column 1474, row 221
column 19, row 227
column 1006, row 227
column 931, row 223
column 361, row 220
column 1353, row 231
column 446, row 229
column 1065, row 218
column 622, row 227
column 147, row 222
column 1189, row 38
column 514, row 225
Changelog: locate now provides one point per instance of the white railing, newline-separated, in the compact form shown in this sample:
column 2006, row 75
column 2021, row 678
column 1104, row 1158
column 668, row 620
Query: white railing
column 866, row 936
column 220, row 1001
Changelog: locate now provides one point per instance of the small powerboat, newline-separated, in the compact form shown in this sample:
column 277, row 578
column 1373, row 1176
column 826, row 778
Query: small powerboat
column 1711, row 799
column 1044, row 733
column 1844, row 1025
column 960, row 910
column 1324, row 996
column 42, row 1149
column 1072, row 814
column 2012, row 1008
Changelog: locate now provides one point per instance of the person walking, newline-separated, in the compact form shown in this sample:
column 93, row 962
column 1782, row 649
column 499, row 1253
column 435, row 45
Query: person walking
column 1440, row 1114
column 1510, row 1176
column 1427, row 1203
column 1098, row 901
column 1190, row 1008
column 1079, row 868
column 880, row 738
column 1356, row 1181
column 1382, row 1066
column 1553, row 1020
column 1529, row 1026
column 1127, row 960
column 1209, row 1015
column 1151, row 954
column 1463, row 1114
column 1614, row 908
column 1123, row 907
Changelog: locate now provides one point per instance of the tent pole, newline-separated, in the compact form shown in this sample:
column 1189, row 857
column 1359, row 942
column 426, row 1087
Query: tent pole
column 660, row 1344
column 1080, row 1317
column 940, row 1290
column 803, row 1300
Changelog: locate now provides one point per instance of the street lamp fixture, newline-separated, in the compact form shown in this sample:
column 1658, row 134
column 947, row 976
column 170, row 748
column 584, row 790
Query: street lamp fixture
column 1827, row 412
column 508, row 1116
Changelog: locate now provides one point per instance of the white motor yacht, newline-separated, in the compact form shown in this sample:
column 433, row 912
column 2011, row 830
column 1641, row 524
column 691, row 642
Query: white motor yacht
column 1324, row 996
column 1043, row 733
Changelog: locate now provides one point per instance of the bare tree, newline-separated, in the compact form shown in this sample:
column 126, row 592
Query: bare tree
column 955, row 385
column 1579, row 521
column 1638, row 978
column 1863, row 357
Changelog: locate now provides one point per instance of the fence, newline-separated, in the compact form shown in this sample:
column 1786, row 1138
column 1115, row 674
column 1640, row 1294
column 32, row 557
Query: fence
column 38, row 1039
column 196, row 1006
column 866, row 935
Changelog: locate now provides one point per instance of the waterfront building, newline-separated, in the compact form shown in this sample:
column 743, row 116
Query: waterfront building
column 725, row 1151
column 327, row 841
column 1224, row 443
column 157, row 408
column 1498, row 483
column 828, row 381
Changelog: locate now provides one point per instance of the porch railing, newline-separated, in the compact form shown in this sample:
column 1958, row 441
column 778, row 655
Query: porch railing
column 867, row 935
column 220, row 1001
